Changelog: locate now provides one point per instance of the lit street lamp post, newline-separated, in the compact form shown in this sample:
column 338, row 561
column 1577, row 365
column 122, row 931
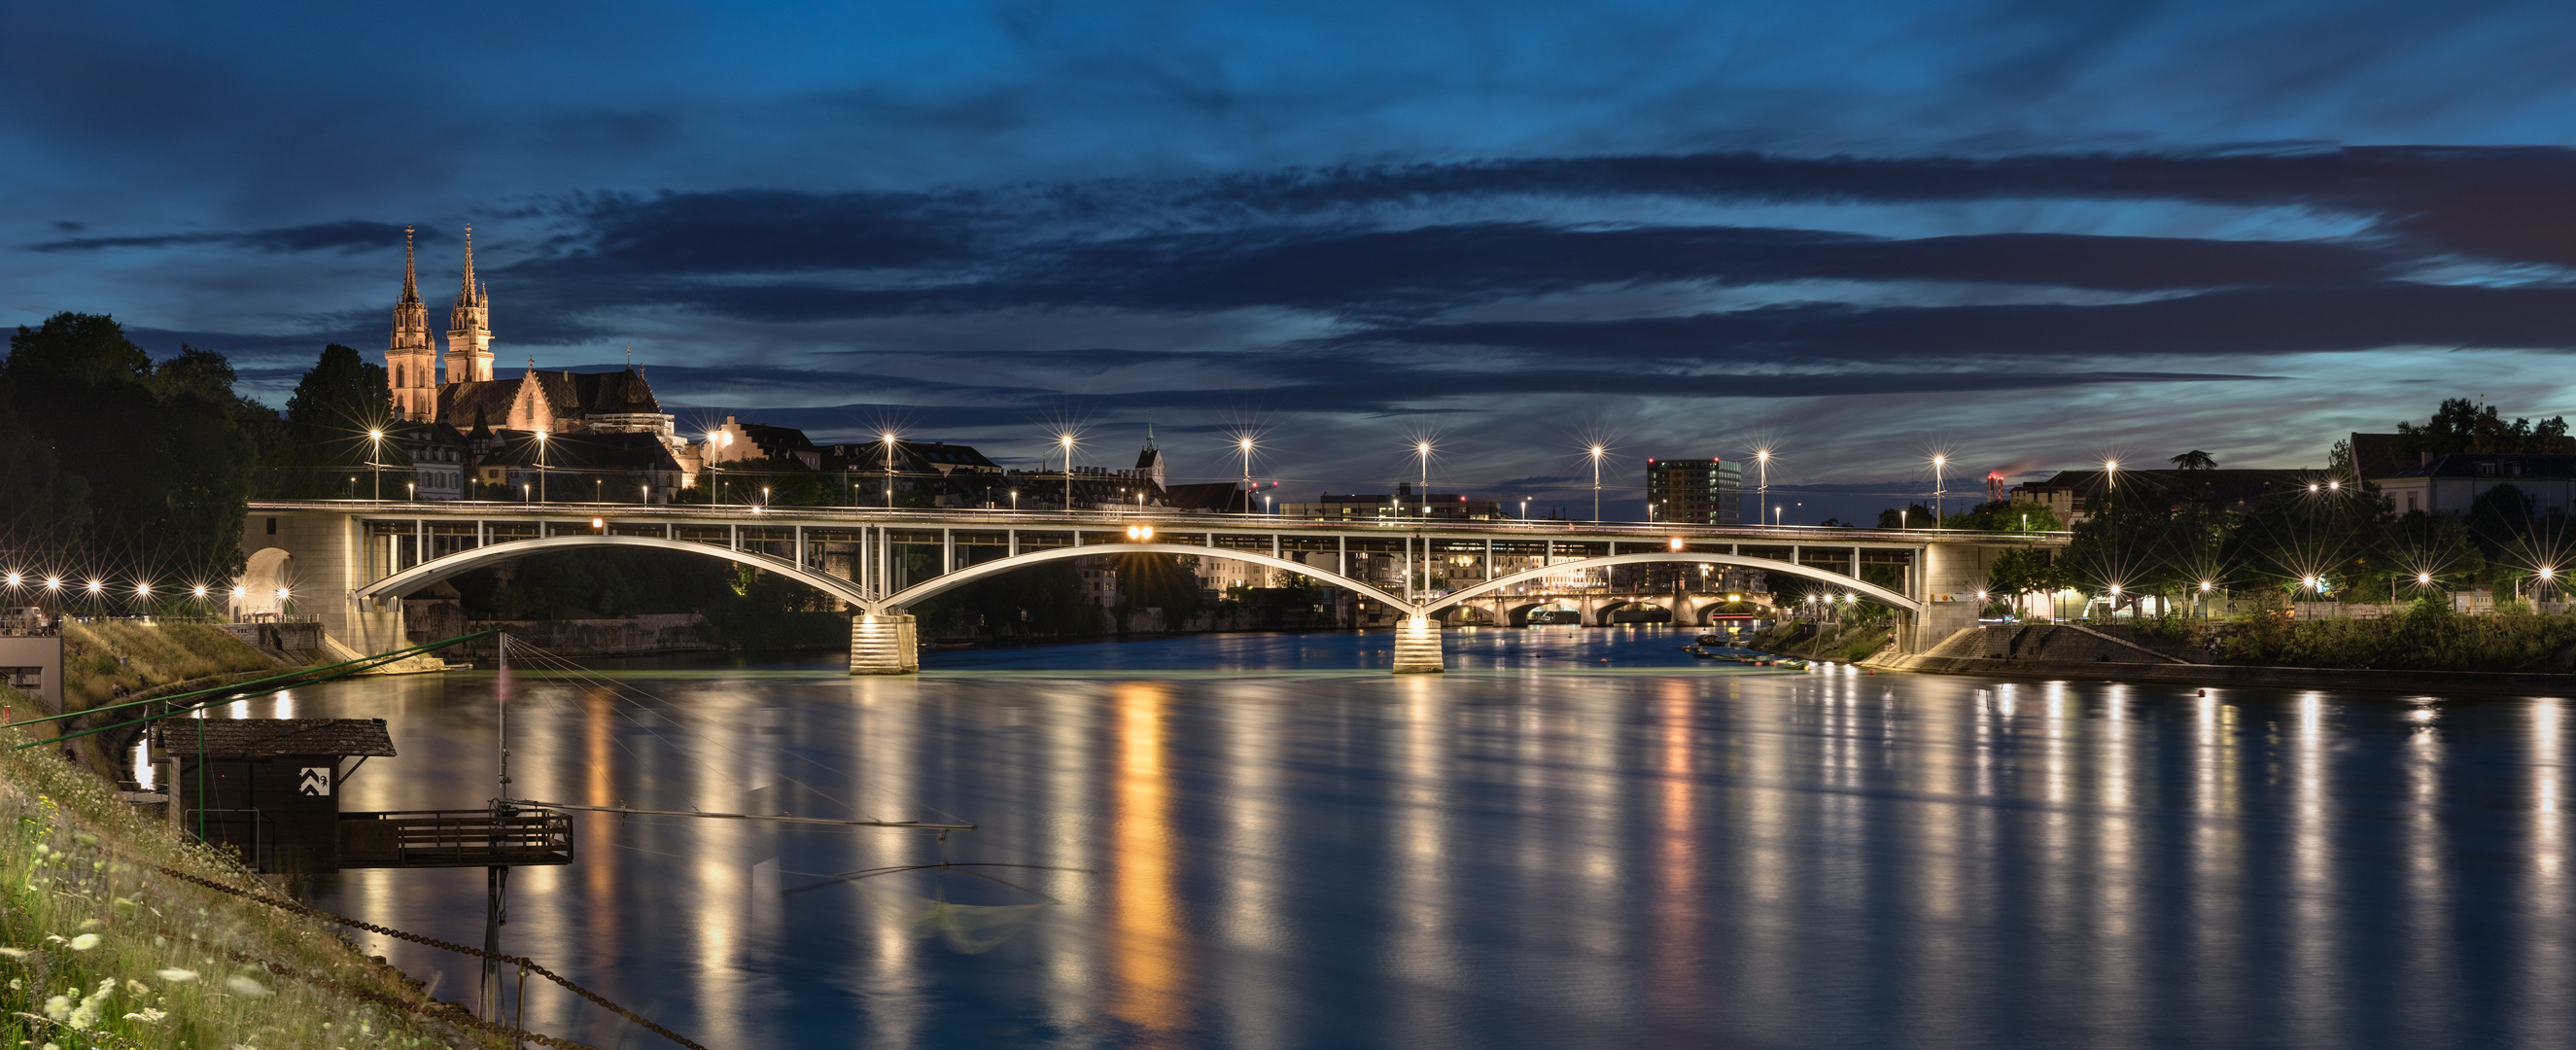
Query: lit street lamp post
column 1596, row 481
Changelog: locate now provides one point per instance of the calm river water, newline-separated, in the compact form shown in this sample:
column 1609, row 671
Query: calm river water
column 1258, row 842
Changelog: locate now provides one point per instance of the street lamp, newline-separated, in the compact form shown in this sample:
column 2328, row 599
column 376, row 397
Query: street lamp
column 541, row 464
column 1762, row 463
column 1066, row 441
column 888, row 441
column 1938, row 461
column 1422, row 451
column 1596, row 481
column 1245, row 445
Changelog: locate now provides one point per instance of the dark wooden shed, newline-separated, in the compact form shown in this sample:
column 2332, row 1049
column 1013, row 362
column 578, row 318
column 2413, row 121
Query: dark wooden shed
column 267, row 787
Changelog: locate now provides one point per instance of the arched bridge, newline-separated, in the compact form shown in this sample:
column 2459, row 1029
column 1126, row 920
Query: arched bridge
column 350, row 562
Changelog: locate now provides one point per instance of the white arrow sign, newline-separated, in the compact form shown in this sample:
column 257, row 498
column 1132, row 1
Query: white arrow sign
column 317, row 781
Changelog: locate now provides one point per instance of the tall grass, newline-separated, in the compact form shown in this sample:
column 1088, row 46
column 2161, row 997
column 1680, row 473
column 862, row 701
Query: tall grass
column 97, row 949
column 100, row 658
column 2428, row 637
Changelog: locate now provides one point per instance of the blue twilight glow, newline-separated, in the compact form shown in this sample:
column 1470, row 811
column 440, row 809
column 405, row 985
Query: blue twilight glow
column 1858, row 230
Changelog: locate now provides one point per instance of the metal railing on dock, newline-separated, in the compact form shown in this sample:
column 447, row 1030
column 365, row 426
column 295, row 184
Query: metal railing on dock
column 454, row 838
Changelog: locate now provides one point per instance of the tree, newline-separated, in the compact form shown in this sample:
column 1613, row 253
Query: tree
column 2460, row 425
column 159, row 449
column 2195, row 460
column 327, row 421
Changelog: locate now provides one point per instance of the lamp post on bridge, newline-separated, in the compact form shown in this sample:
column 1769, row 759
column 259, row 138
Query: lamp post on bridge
column 1422, row 451
column 1066, row 440
column 541, row 466
column 1596, row 452
column 1245, row 445
column 376, row 462
column 1938, row 461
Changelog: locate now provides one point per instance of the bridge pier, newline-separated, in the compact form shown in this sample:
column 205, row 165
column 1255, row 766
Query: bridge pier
column 884, row 644
column 1417, row 646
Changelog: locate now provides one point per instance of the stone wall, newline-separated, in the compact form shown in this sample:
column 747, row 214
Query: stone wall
column 630, row 636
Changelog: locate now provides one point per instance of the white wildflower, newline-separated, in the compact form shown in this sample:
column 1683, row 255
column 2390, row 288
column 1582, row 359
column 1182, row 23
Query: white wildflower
column 14, row 953
column 175, row 975
column 136, row 987
column 50, row 1046
column 59, row 1007
column 146, row 1015
column 85, row 942
column 243, row 986
column 91, row 924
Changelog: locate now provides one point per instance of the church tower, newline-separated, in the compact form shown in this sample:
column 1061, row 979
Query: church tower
column 469, row 327
column 411, row 364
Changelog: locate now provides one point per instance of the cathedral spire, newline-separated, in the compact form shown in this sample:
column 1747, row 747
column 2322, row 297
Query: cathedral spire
column 411, row 277
column 469, row 326
column 468, row 292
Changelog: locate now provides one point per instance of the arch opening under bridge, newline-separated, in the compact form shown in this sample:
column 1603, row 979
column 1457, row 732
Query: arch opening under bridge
column 1862, row 588
column 436, row 569
column 984, row 570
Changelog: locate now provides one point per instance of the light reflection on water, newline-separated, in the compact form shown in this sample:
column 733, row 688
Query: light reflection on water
column 1533, row 851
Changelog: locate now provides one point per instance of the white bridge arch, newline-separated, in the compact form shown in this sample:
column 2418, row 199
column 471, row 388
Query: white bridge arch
column 429, row 572
column 1863, row 588
column 434, row 570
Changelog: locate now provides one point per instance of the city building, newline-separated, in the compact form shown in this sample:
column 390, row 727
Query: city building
column 1695, row 491
column 1402, row 503
column 2071, row 494
column 2450, row 484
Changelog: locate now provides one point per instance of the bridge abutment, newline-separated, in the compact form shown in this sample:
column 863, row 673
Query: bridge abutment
column 1417, row 646
column 884, row 644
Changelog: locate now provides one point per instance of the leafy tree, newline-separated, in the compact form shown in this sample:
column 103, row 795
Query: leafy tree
column 2005, row 516
column 1916, row 516
column 2499, row 518
column 159, row 449
column 1169, row 582
column 2195, row 460
column 2460, row 425
column 328, row 417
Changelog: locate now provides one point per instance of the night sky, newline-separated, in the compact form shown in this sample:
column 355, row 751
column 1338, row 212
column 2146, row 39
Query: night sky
column 2028, row 235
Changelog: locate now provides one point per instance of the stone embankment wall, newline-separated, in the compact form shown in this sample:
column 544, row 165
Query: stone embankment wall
column 630, row 636
column 2071, row 651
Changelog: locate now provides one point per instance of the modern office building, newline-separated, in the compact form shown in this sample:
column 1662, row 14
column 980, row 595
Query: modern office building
column 1695, row 491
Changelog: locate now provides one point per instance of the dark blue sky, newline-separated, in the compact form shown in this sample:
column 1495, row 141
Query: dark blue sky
column 2027, row 234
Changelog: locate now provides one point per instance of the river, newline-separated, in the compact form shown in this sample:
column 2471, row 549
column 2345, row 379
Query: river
column 1575, row 838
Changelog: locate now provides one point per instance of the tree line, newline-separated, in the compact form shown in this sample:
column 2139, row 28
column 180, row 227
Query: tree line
column 2325, row 535
column 117, row 466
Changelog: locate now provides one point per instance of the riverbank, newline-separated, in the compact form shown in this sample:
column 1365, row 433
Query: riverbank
column 103, row 947
column 2069, row 651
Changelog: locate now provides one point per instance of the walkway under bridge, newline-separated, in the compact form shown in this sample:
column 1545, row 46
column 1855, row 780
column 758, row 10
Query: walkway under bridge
column 349, row 563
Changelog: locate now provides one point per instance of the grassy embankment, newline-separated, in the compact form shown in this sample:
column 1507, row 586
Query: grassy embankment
column 106, row 663
column 1847, row 643
column 99, row 950
column 2428, row 637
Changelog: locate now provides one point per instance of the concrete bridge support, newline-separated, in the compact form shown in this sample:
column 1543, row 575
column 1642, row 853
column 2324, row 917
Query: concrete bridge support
column 884, row 644
column 1417, row 646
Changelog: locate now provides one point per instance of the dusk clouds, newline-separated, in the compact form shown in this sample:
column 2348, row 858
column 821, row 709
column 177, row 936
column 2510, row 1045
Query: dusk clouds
column 2025, row 236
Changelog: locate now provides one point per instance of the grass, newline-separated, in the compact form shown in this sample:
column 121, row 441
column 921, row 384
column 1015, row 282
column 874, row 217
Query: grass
column 97, row 949
column 1849, row 643
column 100, row 658
column 2427, row 637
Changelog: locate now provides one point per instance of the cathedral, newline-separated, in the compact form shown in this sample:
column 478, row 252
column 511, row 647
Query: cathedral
column 471, row 397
